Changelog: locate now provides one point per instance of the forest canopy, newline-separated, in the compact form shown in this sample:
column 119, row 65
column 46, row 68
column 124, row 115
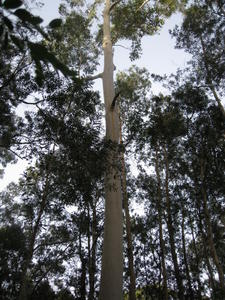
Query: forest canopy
column 71, row 227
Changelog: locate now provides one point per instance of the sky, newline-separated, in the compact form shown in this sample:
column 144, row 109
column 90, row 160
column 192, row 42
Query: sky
column 159, row 56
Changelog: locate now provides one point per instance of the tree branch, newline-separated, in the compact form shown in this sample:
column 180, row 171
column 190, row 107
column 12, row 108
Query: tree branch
column 53, row 243
column 140, row 7
column 15, row 72
column 89, row 78
column 13, row 152
column 31, row 103
column 118, row 45
column 114, row 4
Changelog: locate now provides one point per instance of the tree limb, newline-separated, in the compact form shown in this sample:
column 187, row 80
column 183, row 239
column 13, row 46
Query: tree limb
column 118, row 45
column 140, row 7
column 114, row 4
column 31, row 103
column 13, row 152
column 89, row 78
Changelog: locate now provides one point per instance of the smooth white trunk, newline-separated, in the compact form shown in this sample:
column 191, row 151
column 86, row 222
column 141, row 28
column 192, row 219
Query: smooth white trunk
column 112, row 259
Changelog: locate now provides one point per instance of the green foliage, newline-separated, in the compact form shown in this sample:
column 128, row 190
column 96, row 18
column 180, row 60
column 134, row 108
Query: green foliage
column 75, row 43
column 52, row 220
column 201, row 34
column 55, row 23
column 134, row 19
column 12, row 4
column 17, row 31
column 26, row 17
column 12, row 253
column 39, row 53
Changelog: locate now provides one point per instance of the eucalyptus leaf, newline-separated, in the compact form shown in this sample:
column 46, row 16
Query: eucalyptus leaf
column 55, row 23
column 26, row 16
column 12, row 4
column 40, row 53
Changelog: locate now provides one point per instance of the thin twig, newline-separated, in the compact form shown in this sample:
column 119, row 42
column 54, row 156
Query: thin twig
column 118, row 45
column 140, row 7
column 32, row 103
column 13, row 152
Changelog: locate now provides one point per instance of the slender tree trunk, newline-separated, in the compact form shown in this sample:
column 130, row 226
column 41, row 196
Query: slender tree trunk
column 185, row 258
column 209, row 81
column 92, row 261
column 197, row 260
column 209, row 231
column 111, row 286
column 161, row 238
column 89, row 254
column 171, row 231
column 24, row 293
column 132, row 287
column 208, row 264
column 82, row 280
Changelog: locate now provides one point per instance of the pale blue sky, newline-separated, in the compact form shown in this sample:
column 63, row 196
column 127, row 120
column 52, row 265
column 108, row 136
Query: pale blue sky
column 159, row 56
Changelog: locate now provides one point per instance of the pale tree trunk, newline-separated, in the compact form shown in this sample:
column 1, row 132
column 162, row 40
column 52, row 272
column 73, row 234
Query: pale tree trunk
column 207, row 261
column 112, row 259
column 161, row 238
column 171, row 231
column 204, row 243
column 132, row 287
column 92, row 252
column 197, row 260
column 185, row 257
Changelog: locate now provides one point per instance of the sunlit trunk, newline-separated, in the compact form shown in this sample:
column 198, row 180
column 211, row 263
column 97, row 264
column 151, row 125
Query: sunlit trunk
column 112, row 259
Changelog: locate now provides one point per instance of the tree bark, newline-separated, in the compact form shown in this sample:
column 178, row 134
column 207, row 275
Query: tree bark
column 209, row 81
column 208, row 263
column 197, row 260
column 82, row 279
column 92, row 259
column 23, row 293
column 171, row 231
column 132, row 287
column 112, row 259
column 161, row 238
column 185, row 258
column 209, row 230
